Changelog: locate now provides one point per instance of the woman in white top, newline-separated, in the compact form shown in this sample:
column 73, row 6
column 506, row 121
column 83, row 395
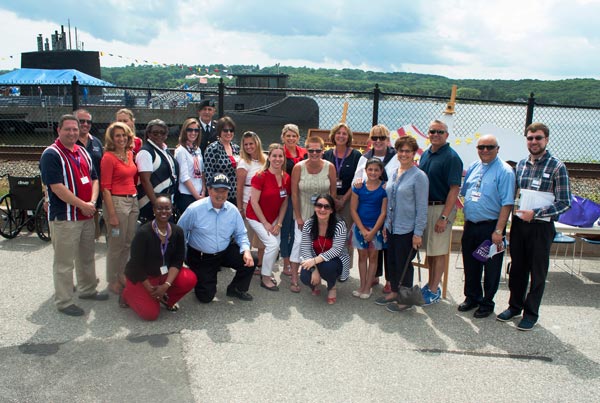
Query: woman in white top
column 252, row 160
column 190, row 162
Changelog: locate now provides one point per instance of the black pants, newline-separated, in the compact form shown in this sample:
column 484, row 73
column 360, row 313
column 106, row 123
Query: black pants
column 382, row 261
column 530, row 245
column 206, row 267
column 473, row 235
column 399, row 251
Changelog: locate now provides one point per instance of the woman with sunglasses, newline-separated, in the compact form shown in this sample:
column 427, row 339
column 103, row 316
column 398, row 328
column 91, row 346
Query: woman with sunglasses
column 155, row 272
column 310, row 178
column 345, row 159
column 268, row 204
column 380, row 149
column 290, row 135
column 117, row 182
column 222, row 156
column 189, row 158
column 323, row 253
column 252, row 160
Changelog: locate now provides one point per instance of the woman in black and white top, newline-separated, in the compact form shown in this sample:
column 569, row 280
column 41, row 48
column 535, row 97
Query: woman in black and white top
column 323, row 253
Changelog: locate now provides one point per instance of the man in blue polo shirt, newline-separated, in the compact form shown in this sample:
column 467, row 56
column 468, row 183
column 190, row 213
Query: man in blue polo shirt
column 489, row 192
column 444, row 168
column 72, row 182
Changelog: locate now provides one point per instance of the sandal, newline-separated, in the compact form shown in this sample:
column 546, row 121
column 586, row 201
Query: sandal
column 122, row 303
column 294, row 287
column 287, row 271
column 171, row 308
column 332, row 300
column 316, row 291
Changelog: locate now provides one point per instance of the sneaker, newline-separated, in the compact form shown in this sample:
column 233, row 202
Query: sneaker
column 424, row 290
column 506, row 315
column 525, row 324
column 396, row 307
column 72, row 310
column 382, row 301
column 431, row 297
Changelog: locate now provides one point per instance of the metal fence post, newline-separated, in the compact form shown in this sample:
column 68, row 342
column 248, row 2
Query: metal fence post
column 221, row 98
column 530, row 105
column 376, row 93
column 75, row 93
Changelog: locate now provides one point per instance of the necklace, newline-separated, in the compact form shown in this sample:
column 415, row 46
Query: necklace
column 162, row 233
column 122, row 157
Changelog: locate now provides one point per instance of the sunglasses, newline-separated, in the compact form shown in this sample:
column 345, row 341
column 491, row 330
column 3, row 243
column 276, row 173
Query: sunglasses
column 378, row 138
column 486, row 147
column 323, row 206
column 192, row 130
column 159, row 132
column 440, row 132
column 536, row 138
column 314, row 150
column 84, row 121
column 228, row 130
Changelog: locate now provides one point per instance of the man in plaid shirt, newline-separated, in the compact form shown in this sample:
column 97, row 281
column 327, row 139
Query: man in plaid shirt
column 532, row 231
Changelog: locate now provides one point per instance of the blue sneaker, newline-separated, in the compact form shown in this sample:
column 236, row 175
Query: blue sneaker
column 431, row 297
column 425, row 289
column 525, row 324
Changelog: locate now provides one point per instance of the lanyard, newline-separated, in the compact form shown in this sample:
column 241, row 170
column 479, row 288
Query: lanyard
column 74, row 156
column 339, row 165
column 163, row 245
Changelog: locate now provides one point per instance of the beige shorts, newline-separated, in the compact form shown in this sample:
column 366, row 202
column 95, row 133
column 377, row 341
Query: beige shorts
column 437, row 244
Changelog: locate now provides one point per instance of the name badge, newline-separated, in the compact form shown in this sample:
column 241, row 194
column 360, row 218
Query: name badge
column 536, row 183
column 545, row 175
column 85, row 180
column 282, row 193
column 164, row 269
column 313, row 199
column 338, row 183
column 475, row 196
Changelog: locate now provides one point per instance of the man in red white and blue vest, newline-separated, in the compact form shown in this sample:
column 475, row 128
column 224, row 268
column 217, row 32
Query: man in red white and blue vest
column 72, row 182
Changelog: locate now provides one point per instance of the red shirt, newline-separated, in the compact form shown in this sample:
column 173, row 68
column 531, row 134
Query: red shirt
column 322, row 244
column 270, row 195
column 300, row 153
column 115, row 176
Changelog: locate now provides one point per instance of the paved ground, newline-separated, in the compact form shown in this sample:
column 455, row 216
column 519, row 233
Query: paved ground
column 291, row 347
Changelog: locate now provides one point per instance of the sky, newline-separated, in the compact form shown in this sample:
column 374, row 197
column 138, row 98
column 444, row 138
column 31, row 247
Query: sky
column 479, row 39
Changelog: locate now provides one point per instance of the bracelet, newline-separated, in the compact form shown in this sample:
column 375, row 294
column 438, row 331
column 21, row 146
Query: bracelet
column 278, row 225
column 167, row 283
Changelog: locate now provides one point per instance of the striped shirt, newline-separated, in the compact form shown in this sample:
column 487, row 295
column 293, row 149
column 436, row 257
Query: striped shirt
column 546, row 174
column 337, row 250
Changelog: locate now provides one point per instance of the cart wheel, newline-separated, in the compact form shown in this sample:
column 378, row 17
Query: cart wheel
column 10, row 218
column 41, row 222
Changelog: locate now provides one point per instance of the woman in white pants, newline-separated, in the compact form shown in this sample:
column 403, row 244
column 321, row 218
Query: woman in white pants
column 266, row 209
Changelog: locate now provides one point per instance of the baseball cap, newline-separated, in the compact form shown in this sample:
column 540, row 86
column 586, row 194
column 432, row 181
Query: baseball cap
column 219, row 181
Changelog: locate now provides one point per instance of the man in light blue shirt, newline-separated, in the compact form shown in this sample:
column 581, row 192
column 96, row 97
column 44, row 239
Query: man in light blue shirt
column 209, row 225
column 489, row 192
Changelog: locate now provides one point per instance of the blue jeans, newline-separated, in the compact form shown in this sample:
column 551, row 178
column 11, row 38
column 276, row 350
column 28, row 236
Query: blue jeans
column 329, row 271
column 287, row 231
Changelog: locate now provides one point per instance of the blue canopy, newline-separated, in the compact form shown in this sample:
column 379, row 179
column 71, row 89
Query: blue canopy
column 50, row 77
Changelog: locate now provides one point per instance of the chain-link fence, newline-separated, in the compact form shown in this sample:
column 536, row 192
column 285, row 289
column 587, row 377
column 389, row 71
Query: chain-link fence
column 27, row 120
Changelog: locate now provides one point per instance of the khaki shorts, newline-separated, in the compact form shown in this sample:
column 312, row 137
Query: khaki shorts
column 437, row 244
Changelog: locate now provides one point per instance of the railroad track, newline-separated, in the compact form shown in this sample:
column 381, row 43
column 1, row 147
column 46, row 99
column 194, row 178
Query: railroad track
column 33, row 153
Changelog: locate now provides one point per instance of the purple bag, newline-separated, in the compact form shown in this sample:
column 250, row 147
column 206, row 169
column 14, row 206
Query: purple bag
column 583, row 213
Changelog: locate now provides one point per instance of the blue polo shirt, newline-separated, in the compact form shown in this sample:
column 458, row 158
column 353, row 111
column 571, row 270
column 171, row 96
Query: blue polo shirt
column 444, row 169
column 486, row 189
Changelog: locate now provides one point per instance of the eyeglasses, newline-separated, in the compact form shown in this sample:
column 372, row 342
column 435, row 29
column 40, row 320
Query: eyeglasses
column 440, row 132
column 191, row 129
column 314, row 150
column 323, row 206
column 228, row 130
column 486, row 147
column 378, row 138
column 536, row 138
column 405, row 151
column 248, row 134
column 158, row 132
column 84, row 121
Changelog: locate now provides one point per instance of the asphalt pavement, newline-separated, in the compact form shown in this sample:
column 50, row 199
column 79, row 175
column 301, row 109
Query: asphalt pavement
column 289, row 347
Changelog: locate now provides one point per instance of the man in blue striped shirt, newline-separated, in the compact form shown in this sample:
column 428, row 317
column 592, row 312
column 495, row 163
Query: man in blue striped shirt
column 532, row 230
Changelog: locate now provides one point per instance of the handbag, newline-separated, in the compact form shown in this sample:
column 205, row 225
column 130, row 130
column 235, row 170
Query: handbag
column 410, row 295
column 583, row 213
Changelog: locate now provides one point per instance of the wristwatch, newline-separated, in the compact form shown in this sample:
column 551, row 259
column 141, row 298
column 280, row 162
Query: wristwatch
column 443, row 218
column 498, row 231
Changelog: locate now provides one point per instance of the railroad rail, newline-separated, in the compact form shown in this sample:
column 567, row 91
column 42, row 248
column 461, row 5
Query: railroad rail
column 33, row 153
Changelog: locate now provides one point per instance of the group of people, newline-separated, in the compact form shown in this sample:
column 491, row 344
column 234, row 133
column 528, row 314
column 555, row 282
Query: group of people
column 308, row 206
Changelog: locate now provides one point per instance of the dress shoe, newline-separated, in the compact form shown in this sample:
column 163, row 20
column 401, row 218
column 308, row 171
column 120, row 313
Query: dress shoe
column 243, row 295
column 96, row 296
column 482, row 313
column 72, row 310
column 467, row 305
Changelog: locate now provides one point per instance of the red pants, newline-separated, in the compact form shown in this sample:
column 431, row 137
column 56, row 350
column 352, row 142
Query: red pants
column 147, row 307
